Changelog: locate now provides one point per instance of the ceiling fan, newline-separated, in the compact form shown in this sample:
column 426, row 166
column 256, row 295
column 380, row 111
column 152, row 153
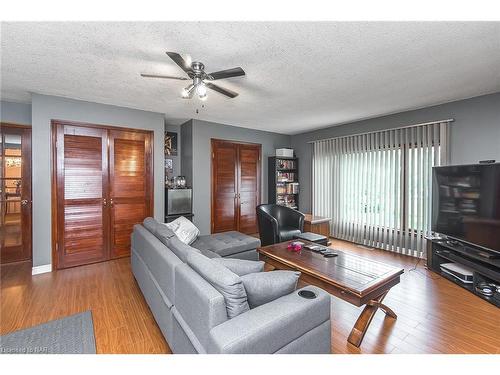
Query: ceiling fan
column 201, row 80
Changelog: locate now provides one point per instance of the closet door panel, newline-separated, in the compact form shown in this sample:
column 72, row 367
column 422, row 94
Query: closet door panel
column 81, row 163
column 249, row 187
column 130, row 155
column 235, row 186
column 83, row 226
column 224, row 186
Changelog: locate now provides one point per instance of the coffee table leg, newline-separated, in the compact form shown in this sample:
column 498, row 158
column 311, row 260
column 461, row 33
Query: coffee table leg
column 365, row 318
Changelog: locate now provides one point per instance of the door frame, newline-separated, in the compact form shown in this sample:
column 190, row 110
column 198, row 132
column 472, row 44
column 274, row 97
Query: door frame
column 54, row 123
column 214, row 141
column 29, row 168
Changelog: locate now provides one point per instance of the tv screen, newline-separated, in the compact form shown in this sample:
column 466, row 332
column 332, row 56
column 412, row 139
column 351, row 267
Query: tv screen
column 466, row 203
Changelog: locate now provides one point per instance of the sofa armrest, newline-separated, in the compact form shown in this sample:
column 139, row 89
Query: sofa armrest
column 270, row 327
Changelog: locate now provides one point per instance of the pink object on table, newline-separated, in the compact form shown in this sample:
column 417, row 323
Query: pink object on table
column 294, row 246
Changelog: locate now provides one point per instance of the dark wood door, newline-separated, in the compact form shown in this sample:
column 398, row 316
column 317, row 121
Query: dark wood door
column 224, row 186
column 15, row 193
column 130, row 186
column 103, row 185
column 249, row 187
column 82, row 195
column 235, row 186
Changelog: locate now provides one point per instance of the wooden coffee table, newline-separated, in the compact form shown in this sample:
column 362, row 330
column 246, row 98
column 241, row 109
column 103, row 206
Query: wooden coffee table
column 357, row 280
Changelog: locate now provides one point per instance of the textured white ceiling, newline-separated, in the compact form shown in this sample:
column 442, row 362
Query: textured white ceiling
column 300, row 76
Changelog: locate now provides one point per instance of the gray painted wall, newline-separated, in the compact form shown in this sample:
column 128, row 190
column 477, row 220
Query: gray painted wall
column 187, row 151
column 475, row 134
column 202, row 132
column 176, row 160
column 44, row 109
column 18, row 113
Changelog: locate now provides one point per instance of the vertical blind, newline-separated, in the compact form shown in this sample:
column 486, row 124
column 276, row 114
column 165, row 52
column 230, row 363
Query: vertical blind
column 377, row 186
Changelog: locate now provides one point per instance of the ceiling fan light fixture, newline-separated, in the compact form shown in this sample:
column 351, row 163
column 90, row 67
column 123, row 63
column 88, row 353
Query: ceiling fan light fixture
column 195, row 71
column 186, row 92
column 201, row 90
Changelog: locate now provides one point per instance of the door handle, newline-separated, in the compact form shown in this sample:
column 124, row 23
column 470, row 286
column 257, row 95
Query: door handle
column 111, row 202
column 104, row 202
column 24, row 202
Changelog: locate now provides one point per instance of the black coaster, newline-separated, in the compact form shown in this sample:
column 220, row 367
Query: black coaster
column 307, row 294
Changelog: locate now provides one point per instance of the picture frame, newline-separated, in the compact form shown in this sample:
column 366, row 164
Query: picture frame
column 170, row 143
column 169, row 165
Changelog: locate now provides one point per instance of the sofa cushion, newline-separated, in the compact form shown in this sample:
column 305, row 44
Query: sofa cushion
column 159, row 230
column 179, row 248
column 241, row 267
column 163, row 232
column 226, row 243
column 221, row 278
column 210, row 254
column 150, row 224
column 264, row 287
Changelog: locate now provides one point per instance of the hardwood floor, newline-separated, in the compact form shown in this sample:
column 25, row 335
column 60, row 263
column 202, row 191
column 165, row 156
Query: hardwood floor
column 122, row 320
column 434, row 315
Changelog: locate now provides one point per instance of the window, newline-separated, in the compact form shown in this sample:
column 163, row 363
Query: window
column 377, row 187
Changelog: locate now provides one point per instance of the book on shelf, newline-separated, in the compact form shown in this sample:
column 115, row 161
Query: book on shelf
column 286, row 164
column 287, row 200
column 286, row 177
column 289, row 188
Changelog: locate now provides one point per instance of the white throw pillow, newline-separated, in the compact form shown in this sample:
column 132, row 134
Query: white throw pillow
column 184, row 229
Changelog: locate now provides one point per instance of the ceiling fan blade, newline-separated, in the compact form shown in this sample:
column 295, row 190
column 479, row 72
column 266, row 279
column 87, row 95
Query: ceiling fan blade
column 228, row 73
column 181, row 62
column 223, row 91
column 160, row 76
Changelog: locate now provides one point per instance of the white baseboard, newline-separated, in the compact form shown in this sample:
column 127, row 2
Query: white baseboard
column 41, row 269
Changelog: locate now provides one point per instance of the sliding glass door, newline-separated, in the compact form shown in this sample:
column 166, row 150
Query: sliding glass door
column 376, row 187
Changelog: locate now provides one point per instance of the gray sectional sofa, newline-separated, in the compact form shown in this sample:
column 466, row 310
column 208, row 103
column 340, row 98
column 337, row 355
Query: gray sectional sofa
column 192, row 314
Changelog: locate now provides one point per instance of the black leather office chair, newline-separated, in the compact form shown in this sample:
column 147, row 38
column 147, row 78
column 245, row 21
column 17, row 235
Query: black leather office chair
column 278, row 223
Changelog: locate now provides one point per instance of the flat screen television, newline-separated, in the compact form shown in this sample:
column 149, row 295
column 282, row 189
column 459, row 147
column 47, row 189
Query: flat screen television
column 466, row 203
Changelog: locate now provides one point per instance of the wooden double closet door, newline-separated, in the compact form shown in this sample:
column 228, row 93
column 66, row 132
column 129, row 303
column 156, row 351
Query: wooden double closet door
column 236, row 180
column 101, row 186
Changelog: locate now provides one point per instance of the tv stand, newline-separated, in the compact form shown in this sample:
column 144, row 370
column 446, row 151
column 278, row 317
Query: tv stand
column 485, row 265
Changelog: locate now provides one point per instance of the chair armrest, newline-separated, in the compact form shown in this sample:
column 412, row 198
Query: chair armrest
column 268, row 228
column 270, row 327
column 295, row 219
